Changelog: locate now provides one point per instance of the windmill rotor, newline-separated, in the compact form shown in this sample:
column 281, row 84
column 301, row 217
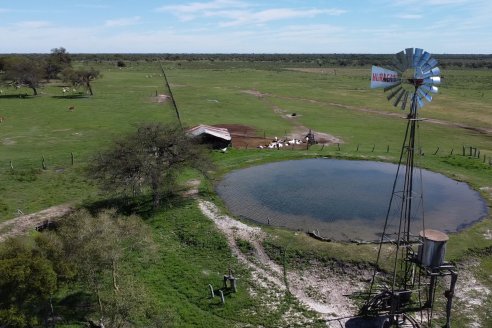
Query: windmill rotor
column 413, row 75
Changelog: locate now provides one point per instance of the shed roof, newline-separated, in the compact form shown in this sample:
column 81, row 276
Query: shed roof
column 211, row 130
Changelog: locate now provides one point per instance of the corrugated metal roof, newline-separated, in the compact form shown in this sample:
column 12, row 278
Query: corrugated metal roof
column 212, row 130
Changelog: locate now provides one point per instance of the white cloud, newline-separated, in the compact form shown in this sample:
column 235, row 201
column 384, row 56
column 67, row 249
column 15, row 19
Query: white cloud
column 193, row 10
column 409, row 16
column 33, row 24
column 240, row 13
column 122, row 21
column 265, row 16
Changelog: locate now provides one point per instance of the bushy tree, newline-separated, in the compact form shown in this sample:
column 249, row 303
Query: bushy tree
column 23, row 71
column 57, row 61
column 27, row 282
column 148, row 159
column 81, row 77
column 99, row 247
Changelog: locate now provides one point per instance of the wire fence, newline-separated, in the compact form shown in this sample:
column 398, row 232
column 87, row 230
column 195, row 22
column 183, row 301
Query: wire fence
column 62, row 161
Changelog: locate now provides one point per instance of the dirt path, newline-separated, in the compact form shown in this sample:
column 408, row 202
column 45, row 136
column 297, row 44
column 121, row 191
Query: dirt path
column 258, row 94
column 23, row 224
column 318, row 288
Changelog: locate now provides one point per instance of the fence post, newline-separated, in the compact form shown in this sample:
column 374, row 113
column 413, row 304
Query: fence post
column 222, row 296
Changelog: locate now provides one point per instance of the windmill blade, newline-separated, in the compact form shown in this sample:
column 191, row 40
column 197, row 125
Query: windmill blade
column 416, row 56
column 405, row 99
column 409, row 57
column 429, row 88
column 397, row 65
column 398, row 97
column 425, row 57
column 432, row 80
column 402, row 59
column 433, row 72
column 391, row 95
column 420, row 103
column 425, row 95
column 431, row 63
column 392, row 86
column 383, row 78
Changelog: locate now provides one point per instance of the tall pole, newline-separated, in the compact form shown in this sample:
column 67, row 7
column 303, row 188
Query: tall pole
column 172, row 97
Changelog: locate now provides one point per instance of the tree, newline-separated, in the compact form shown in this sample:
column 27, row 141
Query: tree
column 27, row 282
column 23, row 71
column 58, row 60
column 148, row 160
column 99, row 247
column 81, row 77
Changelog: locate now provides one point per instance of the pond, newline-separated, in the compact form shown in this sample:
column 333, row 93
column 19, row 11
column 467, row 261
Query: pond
column 346, row 200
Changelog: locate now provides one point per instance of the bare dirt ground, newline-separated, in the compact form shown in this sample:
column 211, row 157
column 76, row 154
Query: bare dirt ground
column 25, row 223
column 318, row 288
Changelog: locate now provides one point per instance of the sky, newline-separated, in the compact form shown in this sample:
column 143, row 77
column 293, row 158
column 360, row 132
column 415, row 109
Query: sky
column 244, row 26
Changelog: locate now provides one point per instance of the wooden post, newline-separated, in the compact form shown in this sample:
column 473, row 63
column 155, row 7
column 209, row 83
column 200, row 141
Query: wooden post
column 222, row 296
column 212, row 294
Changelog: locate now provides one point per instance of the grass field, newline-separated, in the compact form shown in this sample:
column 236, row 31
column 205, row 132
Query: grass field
column 192, row 254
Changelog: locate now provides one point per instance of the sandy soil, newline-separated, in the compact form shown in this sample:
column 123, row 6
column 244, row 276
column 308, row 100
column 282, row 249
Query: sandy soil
column 25, row 223
column 318, row 288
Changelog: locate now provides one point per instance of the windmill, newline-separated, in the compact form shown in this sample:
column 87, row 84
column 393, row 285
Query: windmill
column 417, row 261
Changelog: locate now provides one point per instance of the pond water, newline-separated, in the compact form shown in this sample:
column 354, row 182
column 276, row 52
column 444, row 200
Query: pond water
column 346, row 200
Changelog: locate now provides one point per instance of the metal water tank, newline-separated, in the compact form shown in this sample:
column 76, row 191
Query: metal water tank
column 433, row 249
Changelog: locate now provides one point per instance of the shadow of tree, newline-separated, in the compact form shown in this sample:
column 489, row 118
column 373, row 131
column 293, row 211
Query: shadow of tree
column 22, row 96
column 72, row 96
column 139, row 205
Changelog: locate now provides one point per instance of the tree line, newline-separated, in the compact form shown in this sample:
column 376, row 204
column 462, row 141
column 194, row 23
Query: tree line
column 33, row 71
column 473, row 61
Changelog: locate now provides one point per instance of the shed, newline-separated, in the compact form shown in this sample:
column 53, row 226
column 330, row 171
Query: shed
column 211, row 135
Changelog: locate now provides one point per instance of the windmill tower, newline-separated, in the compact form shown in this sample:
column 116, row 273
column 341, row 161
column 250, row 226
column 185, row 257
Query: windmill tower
column 406, row 297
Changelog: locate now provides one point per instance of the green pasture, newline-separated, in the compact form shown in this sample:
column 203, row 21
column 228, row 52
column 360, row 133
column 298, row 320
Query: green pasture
column 41, row 130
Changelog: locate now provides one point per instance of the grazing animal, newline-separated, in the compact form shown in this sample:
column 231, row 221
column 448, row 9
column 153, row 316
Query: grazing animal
column 71, row 108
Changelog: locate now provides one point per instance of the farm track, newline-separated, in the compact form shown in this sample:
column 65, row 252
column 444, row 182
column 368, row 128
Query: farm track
column 484, row 131
column 25, row 223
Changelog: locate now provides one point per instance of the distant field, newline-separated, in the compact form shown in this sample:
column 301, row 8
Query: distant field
column 336, row 101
